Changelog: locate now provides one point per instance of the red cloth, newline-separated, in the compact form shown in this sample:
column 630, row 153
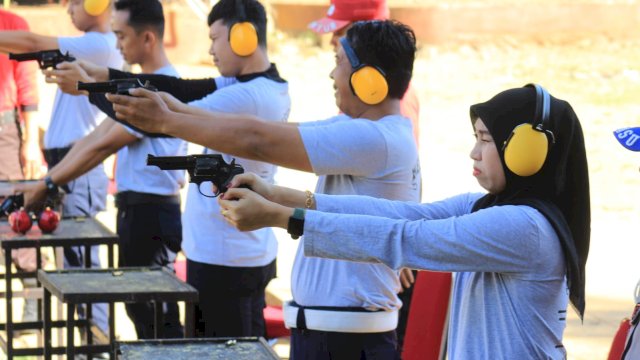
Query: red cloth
column 428, row 314
column 18, row 85
column 274, row 322
column 619, row 340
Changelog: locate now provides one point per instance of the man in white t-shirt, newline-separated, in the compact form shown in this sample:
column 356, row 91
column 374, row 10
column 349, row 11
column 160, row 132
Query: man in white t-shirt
column 73, row 117
column 340, row 309
column 148, row 199
column 230, row 269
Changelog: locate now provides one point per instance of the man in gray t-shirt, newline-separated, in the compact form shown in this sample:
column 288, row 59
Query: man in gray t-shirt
column 339, row 309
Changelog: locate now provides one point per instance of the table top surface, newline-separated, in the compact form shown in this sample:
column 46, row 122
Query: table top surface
column 220, row 348
column 68, row 229
column 122, row 284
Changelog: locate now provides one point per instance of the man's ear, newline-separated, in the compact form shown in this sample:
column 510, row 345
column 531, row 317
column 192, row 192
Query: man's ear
column 150, row 38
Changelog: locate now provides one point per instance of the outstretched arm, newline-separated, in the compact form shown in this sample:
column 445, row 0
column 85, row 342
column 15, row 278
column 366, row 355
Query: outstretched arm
column 239, row 135
column 90, row 151
column 19, row 41
column 185, row 90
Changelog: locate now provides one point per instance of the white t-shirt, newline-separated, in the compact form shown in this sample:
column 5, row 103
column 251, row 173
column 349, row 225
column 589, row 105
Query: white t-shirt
column 132, row 172
column 207, row 238
column 73, row 116
column 356, row 157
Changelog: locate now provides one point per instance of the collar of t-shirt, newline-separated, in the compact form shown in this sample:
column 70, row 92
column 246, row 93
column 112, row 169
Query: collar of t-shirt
column 271, row 74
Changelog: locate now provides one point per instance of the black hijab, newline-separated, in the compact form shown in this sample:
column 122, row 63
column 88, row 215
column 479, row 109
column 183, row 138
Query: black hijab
column 560, row 190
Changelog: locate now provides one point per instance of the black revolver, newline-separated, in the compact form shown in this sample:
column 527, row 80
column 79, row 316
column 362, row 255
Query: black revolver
column 46, row 58
column 11, row 204
column 118, row 86
column 201, row 168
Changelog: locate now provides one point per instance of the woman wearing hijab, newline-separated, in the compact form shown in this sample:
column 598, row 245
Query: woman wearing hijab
column 518, row 252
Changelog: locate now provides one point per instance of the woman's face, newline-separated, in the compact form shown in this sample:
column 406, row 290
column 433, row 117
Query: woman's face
column 487, row 167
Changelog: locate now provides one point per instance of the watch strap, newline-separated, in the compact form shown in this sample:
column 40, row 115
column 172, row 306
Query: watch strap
column 295, row 227
column 51, row 187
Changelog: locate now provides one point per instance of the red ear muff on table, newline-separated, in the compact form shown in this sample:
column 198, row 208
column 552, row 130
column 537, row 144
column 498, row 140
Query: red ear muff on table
column 367, row 82
column 526, row 149
column 95, row 7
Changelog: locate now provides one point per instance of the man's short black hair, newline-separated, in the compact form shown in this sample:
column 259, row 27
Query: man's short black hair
column 388, row 45
column 143, row 15
column 231, row 11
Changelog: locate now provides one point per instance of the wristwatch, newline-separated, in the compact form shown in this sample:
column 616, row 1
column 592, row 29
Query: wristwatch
column 296, row 223
column 52, row 188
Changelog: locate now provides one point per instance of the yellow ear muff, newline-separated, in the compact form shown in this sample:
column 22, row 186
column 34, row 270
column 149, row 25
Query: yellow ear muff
column 243, row 38
column 95, row 7
column 526, row 150
column 369, row 85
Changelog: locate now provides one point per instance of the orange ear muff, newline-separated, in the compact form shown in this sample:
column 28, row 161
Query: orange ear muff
column 526, row 149
column 367, row 82
column 369, row 85
column 95, row 7
column 243, row 38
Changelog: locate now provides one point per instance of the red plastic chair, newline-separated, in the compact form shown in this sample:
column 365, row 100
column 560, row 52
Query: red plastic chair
column 428, row 317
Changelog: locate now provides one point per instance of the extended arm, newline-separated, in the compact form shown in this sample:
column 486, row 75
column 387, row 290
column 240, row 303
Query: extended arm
column 503, row 239
column 19, row 41
column 90, row 151
column 185, row 90
column 239, row 135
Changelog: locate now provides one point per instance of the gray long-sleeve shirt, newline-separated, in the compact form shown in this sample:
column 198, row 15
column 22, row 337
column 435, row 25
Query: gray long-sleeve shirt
column 510, row 294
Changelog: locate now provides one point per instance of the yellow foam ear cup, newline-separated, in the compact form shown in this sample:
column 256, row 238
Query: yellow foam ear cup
column 369, row 85
column 243, row 38
column 95, row 7
column 526, row 150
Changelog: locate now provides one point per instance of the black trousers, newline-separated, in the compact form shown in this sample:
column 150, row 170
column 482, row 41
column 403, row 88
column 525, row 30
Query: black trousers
column 327, row 345
column 403, row 316
column 147, row 233
column 231, row 299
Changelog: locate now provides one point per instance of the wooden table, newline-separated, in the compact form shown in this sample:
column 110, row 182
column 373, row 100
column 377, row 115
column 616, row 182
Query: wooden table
column 130, row 285
column 243, row 348
column 85, row 232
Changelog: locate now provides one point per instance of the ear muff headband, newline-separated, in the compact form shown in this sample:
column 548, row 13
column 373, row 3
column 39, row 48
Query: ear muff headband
column 526, row 149
column 243, row 36
column 367, row 82
column 95, row 7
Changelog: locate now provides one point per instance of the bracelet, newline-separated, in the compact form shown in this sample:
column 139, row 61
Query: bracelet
column 309, row 199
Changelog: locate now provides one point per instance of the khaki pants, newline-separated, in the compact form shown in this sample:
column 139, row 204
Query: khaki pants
column 10, row 167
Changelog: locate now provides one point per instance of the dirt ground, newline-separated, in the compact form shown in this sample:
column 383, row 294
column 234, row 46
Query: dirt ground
column 598, row 75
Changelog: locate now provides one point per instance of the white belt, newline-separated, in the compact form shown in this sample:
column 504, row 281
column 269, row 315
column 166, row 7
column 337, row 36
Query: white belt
column 341, row 321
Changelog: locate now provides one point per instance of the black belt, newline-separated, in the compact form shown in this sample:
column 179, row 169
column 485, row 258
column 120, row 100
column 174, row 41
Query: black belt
column 128, row 198
column 301, row 321
column 54, row 155
column 8, row 117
